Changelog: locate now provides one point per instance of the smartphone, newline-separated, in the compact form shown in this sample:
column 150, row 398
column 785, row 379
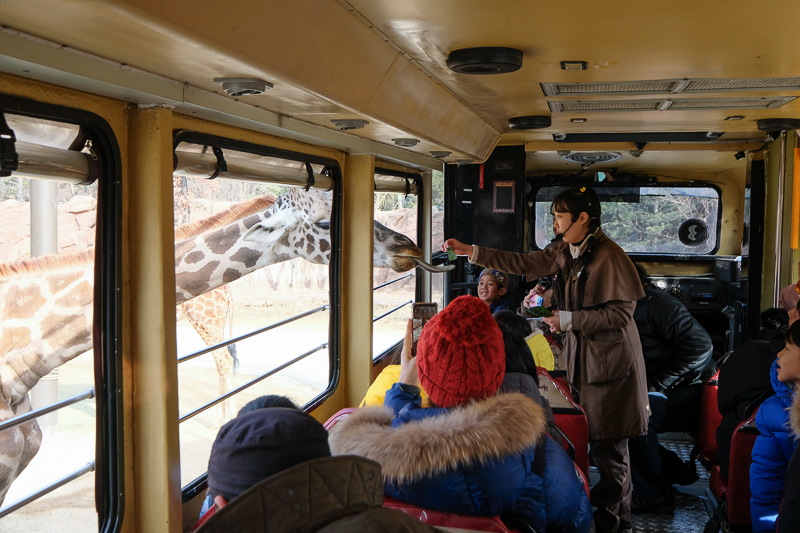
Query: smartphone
column 537, row 301
column 420, row 314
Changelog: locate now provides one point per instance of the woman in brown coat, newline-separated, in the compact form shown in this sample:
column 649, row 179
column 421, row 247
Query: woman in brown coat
column 596, row 288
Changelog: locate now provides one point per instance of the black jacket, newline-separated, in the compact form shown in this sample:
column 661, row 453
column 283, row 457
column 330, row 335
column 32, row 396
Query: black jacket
column 677, row 350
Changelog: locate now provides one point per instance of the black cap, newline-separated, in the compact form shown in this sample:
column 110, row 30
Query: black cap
column 258, row 444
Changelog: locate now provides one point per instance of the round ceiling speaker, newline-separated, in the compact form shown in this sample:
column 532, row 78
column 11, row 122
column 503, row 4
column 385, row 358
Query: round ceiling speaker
column 485, row 60
column 591, row 158
column 530, row 122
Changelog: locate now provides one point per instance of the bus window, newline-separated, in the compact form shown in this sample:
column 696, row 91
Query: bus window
column 264, row 299
column 393, row 292
column 663, row 219
column 50, row 209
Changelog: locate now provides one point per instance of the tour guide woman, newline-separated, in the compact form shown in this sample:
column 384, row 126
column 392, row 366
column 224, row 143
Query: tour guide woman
column 596, row 288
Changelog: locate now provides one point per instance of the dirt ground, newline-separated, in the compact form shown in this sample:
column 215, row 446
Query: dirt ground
column 69, row 445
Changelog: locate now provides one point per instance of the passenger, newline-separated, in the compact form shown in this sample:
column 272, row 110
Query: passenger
column 493, row 288
column 478, row 452
column 532, row 335
column 596, row 289
column 388, row 377
column 775, row 443
column 678, row 360
column 744, row 380
column 260, row 473
column 789, row 514
column 521, row 374
column 262, row 402
column 543, row 288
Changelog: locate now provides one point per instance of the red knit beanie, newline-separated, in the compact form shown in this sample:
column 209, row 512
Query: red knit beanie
column 461, row 355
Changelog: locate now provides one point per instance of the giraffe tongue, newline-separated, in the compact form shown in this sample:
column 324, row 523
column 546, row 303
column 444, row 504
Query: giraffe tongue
column 430, row 268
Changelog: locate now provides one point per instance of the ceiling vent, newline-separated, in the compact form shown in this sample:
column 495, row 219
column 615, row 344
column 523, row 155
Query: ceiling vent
column 406, row 143
column 580, row 106
column 591, row 158
column 440, row 154
column 346, row 124
column 673, row 86
column 243, row 86
column 530, row 122
column 485, row 60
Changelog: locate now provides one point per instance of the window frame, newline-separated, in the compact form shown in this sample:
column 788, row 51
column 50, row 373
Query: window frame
column 107, row 334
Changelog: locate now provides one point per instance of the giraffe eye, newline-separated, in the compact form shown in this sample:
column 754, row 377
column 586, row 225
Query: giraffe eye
column 323, row 224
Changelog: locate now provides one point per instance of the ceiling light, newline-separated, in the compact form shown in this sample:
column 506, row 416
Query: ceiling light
column 577, row 120
column 573, row 65
column 406, row 143
column 345, row 124
column 485, row 60
column 739, row 155
column 735, row 117
column 440, row 154
column 530, row 122
column 243, row 86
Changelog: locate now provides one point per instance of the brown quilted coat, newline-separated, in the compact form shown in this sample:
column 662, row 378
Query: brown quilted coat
column 326, row 495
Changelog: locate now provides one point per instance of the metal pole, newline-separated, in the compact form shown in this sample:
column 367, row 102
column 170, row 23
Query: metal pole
column 44, row 241
column 779, row 219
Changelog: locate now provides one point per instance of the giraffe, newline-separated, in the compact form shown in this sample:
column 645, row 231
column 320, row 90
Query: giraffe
column 210, row 314
column 47, row 303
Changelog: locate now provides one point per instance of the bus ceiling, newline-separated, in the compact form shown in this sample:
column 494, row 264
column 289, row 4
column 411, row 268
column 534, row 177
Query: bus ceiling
column 413, row 80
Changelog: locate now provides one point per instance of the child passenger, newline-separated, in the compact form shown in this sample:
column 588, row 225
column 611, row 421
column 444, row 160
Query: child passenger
column 493, row 288
column 775, row 444
column 596, row 288
column 477, row 452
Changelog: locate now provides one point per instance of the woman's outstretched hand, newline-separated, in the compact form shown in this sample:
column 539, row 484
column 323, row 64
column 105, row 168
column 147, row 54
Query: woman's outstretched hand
column 458, row 247
column 408, row 363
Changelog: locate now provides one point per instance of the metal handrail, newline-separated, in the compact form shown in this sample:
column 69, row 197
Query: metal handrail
column 48, row 409
column 393, row 281
column 250, row 383
column 46, row 490
column 251, row 334
column 392, row 311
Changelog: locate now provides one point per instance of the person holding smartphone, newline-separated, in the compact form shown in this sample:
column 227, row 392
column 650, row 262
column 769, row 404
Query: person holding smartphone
column 596, row 288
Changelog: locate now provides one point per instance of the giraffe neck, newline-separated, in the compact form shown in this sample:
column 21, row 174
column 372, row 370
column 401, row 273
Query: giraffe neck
column 47, row 320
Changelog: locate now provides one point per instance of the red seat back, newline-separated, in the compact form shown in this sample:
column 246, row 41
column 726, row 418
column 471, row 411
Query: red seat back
column 339, row 415
column 569, row 417
column 710, row 419
column 735, row 491
column 450, row 520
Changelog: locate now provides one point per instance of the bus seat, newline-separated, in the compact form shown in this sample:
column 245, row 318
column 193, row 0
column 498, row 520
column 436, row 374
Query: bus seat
column 451, row 521
column 733, row 494
column 339, row 415
column 568, row 416
column 710, row 419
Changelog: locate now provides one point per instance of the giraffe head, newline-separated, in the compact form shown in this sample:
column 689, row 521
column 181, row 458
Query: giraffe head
column 300, row 221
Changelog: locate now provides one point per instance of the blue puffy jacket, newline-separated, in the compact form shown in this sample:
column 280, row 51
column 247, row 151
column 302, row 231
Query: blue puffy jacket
column 771, row 454
column 487, row 458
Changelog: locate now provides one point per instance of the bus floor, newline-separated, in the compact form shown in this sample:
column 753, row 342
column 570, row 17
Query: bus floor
column 692, row 506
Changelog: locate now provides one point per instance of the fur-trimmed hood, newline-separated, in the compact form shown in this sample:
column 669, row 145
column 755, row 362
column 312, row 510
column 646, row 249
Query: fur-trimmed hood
column 794, row 416
column 496, row 427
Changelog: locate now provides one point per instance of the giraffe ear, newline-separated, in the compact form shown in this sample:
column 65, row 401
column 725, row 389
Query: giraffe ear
column 271, row 229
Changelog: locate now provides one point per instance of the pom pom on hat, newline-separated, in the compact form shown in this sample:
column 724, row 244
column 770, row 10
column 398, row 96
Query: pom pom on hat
column 461, row 355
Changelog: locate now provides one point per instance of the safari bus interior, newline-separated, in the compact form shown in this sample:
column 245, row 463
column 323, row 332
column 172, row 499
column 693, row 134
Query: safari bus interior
column 352, row 137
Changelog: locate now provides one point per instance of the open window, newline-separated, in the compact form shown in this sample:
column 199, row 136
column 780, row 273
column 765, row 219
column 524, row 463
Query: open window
column 60, row 331
column 257, row 230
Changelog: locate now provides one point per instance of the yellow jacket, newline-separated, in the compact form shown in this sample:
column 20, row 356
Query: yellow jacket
column 388, row 377
column 542, row 354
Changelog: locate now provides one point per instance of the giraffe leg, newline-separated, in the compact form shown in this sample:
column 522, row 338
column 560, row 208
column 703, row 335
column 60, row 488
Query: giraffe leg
column 18, row 445
column 208, row 314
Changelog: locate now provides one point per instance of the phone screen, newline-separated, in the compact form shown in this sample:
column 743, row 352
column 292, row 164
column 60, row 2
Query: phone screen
column 421, row 313
column 537, row 301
